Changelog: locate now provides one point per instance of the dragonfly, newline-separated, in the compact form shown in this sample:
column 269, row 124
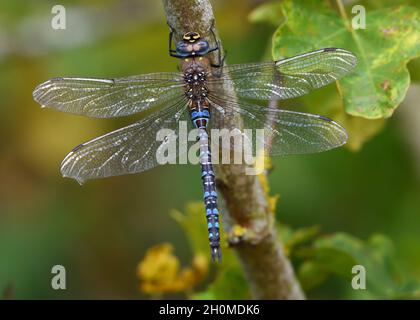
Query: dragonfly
column 197, row 94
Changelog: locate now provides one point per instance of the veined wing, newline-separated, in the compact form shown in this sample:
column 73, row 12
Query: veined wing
column 106, row 98
column 128, row 150
column 287, row 78
column 283, row 132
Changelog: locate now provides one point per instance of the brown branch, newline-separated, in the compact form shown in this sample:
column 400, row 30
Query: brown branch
column 259, row 250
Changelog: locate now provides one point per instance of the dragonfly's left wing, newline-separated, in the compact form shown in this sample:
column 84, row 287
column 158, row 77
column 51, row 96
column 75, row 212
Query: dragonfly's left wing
column 287, row 78
column 106, row 98
column 131, row 149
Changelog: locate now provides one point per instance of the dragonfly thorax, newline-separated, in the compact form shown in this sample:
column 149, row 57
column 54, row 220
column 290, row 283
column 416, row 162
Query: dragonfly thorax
column 195, row 77
column 196, row 89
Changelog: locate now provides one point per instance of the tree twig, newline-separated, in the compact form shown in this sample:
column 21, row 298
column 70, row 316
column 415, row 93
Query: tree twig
column 259, row 250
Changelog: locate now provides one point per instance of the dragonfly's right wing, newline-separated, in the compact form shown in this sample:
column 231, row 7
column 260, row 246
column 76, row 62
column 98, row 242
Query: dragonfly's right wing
column 276, row 131
column 106, row 98
column 131, row 149
column 287, row 78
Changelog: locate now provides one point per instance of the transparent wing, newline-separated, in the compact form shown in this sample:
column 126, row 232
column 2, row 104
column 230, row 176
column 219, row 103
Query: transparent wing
column 281, row 132
column 287, row 78
column 106, row 98
column 131, row 149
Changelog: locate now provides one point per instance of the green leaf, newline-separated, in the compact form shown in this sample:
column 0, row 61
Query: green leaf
column 293, row 238
column 414, row 68
column 311, row 275
column 193, row 223
column 270, row 13
column 391, row 39
column 338, row 253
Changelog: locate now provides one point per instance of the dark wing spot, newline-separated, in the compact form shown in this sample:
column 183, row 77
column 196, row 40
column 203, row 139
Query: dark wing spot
column 330, row 49
column 78, row 147
column 324, row 118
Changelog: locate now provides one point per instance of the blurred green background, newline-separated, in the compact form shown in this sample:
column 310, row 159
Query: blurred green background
column 101, row 230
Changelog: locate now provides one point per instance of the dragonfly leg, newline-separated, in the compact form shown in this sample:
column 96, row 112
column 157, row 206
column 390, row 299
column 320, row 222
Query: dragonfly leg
column 220, row 58
column 172, row 52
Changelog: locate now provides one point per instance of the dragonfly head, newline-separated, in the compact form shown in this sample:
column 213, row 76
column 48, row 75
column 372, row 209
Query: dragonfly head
column 192, row 45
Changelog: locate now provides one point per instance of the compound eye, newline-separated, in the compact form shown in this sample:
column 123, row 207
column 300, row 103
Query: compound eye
column 201, row 47
column 183, row 48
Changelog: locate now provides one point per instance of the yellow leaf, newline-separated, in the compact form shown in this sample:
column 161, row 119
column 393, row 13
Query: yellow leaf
column 159, row 272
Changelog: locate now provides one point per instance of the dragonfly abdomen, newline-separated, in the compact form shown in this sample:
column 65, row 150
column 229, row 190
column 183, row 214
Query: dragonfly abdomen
column 210, row 194
column 200, row 116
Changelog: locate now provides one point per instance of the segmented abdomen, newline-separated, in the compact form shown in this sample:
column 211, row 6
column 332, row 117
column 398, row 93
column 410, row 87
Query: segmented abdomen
column 200, row 116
